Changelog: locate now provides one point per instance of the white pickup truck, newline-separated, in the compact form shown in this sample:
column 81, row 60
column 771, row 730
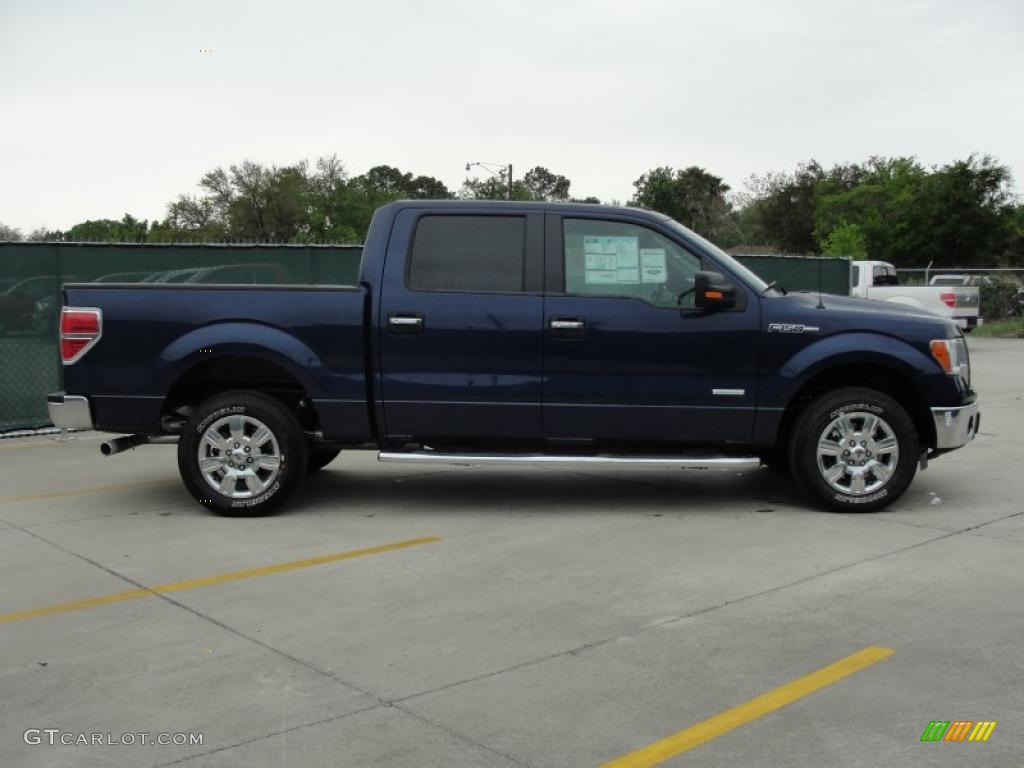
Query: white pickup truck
column 877, row 280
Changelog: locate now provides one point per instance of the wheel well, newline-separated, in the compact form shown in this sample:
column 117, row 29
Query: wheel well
column 898, row 386
column 228, row 372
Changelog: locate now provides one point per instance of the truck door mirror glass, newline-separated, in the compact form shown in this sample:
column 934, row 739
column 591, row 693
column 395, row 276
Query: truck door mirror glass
column 713, row 291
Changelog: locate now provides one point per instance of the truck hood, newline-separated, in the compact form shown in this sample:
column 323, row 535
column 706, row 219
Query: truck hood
column 842, row 313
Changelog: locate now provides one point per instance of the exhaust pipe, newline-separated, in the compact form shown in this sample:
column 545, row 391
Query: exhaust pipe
column 120, row 444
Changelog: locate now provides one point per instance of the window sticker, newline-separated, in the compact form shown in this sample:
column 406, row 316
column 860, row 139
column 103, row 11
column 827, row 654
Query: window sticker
column 652, row 265
column 611, row 260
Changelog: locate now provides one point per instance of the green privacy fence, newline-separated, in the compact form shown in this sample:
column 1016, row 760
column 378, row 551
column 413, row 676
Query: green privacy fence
column 31, row 276
column 802, row 273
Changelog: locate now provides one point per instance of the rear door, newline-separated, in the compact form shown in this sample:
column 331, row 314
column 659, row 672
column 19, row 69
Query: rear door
column 461, row 325
column 627, row 356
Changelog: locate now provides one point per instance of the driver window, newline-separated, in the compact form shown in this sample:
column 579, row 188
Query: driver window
column 610, row 258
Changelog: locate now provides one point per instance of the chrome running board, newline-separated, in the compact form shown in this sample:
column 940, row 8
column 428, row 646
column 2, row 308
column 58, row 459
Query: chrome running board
column 549, row 460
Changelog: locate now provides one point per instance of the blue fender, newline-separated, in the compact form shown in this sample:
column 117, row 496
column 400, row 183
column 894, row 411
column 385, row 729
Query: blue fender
column 843, row 349
column 779, row 387
column 235, row 338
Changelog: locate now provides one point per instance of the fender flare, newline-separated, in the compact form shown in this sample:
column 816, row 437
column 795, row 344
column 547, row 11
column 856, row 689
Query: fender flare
column 853, row 348
column 237, row 338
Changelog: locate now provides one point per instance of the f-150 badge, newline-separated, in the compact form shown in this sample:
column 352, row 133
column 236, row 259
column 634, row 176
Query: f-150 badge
column 792, row 328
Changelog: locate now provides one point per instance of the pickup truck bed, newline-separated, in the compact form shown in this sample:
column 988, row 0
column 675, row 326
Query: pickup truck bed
column 160, row 341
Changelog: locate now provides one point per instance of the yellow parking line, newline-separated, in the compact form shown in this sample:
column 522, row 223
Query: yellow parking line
column 715, row 726
column 77, row 491
column 206, row 581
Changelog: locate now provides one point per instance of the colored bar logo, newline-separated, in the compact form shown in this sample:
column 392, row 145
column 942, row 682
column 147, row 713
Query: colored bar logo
column 958, row 730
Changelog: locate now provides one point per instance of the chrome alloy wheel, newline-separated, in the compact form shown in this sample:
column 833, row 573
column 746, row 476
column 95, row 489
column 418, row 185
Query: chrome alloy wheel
column 857, row 453
column 239, row 456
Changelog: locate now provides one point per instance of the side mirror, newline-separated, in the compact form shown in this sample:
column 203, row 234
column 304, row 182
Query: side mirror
column 713, row 291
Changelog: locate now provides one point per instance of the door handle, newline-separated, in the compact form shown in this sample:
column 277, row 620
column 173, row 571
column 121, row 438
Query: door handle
column 568, row 327
column 405, row 323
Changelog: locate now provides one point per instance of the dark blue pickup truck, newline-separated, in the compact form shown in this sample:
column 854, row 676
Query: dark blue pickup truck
column 502, row 333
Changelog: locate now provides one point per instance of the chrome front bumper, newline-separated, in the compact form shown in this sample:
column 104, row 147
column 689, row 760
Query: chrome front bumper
column 955, row 427
column 69, row 411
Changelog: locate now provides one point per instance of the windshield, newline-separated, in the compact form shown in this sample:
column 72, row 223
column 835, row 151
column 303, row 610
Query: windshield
column 748, row 277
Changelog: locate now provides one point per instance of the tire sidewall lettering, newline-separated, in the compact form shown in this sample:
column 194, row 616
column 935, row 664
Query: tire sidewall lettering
column 844, row 499
column 202, row 426
column 875, row 409
column 255, row 502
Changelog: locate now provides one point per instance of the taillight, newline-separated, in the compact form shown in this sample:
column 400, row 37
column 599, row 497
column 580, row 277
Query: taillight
column 80, row 329
column 948, row 298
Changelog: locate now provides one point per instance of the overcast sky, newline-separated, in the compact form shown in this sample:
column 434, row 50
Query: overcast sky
column 112, row 107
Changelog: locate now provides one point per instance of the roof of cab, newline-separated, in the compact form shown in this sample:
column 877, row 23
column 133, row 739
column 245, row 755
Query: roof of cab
column 523, row 205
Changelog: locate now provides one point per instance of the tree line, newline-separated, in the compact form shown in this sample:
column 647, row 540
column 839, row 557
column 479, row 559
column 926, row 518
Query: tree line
column 893, row 209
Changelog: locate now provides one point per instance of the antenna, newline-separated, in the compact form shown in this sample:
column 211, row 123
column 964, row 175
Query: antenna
column 821, row 304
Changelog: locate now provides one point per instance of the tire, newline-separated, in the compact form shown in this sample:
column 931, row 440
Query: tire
column 884, row 455
column 261, row 473
column 320, row 456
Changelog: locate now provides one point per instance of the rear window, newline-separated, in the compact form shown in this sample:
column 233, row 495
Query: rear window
column 885, row 276
column 484, row 254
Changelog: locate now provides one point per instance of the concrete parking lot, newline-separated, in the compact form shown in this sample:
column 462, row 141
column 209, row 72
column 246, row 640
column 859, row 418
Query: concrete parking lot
column 482, row 617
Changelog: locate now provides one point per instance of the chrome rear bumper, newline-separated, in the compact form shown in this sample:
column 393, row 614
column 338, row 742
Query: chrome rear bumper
column 955, row 427
column 69, row 411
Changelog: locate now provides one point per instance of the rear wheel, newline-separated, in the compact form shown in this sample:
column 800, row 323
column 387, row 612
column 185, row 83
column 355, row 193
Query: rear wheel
column 854, row 450
column 242, row 453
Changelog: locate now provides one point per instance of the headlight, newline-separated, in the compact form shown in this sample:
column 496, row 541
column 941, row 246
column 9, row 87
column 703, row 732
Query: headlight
column 951, row 355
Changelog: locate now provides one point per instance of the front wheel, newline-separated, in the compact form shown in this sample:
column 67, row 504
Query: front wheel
column 854, row 450
column 242, row 453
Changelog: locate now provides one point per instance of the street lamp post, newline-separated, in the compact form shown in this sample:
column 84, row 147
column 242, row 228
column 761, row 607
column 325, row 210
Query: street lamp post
column 489, row 167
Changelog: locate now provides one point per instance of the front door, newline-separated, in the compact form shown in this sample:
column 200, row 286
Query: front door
column 627, row 357
column 460, row 326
